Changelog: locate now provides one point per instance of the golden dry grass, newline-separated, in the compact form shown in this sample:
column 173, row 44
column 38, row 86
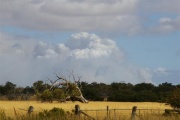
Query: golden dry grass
column 8, row 106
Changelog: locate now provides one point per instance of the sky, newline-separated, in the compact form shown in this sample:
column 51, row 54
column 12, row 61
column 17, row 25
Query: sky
column 131, row 41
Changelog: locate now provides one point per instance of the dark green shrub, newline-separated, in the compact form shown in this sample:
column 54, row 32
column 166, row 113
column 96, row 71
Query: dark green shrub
column 53, row 113
column 46, row 96
column 174, row 98
column 58, row 94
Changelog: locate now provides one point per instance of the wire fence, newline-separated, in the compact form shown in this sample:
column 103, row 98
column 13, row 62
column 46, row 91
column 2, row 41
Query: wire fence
column 118, row 114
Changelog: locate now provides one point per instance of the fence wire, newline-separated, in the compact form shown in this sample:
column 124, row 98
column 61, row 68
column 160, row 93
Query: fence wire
column 118, row 114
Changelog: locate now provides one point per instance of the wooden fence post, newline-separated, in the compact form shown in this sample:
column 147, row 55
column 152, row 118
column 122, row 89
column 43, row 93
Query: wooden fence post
column 77, row 110
column 133, row 113
column 30, row 109
column 107, row 112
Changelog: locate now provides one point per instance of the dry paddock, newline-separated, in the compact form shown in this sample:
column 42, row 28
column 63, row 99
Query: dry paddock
column 10, row 107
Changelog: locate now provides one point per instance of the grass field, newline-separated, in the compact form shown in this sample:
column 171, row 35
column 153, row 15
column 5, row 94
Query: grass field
column 9, row 106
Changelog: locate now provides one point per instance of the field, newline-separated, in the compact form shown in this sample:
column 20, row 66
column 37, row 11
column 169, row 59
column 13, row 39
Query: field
column 95, row 109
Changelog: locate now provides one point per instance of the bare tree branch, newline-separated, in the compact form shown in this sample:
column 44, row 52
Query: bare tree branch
column 69, row 86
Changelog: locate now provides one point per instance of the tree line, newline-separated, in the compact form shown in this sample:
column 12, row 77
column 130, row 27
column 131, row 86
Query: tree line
column 116, row 91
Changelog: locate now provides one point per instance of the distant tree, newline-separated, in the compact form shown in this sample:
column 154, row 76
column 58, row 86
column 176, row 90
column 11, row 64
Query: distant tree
column 144, row 86
column 39, row 86
column 146, row 92
column 174, row 98
column 19, row 90
column 103, row 91
column 145, row 96
column 46, row 96
column 2, row 91
column 121, row 92
column 164, row 90
column 90, row 91
column 9, row 88
column 165, row 87
column 28, row 90
column 123, row 96
column 58, row 94
column 121, row 86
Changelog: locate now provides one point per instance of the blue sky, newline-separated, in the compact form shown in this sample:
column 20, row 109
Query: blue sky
column 104, row 41
column 153, row 51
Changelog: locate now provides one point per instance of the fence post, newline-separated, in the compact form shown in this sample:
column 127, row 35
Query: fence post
column 107, row 112
column 133, row 113
column 30, row 109
column 77, row 110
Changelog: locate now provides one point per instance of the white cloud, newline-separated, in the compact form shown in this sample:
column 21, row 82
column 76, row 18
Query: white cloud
column 85, row 45
column 161, row 70
column 167, row 12
column 115, row 16
column 59, row 15
column 162, row 75
column 96, row 59
column 165, row 20
column 61, row 49
column 167, row 25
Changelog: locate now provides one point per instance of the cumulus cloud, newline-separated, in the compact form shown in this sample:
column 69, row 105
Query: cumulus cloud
column 84, row 45
column 95, row 58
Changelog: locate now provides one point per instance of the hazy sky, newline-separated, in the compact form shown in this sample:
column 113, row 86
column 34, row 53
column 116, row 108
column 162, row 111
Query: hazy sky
column 101, row 40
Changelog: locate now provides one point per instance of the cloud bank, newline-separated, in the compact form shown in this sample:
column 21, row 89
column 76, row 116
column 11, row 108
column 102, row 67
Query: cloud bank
column 94, row 58
column 120, row 16
column 24, row 58
column 73, row 15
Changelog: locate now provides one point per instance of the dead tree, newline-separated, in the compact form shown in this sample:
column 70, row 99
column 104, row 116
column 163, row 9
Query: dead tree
column 72, row 90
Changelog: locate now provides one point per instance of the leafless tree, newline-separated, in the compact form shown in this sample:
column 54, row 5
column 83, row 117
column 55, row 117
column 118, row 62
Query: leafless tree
column 72, row 89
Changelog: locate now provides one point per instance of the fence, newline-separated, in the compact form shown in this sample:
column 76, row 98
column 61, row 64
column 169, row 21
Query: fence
column 115, row 114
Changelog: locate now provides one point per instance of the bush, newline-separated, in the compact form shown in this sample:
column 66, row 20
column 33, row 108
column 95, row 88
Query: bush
column 46, row 96
column 174, row 98
column 53, row 113
column 58, row 94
